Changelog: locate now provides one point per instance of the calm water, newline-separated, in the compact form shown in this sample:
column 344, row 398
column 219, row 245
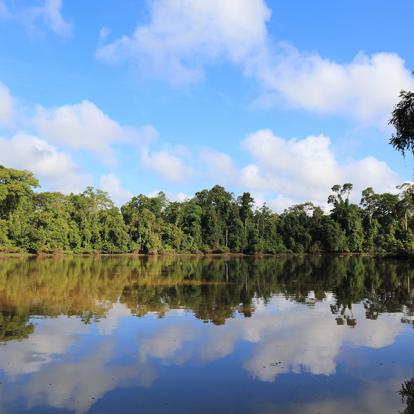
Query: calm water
column 190, row 335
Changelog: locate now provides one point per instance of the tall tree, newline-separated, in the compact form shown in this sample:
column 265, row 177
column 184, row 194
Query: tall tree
column 16, row 204
column 348, row 215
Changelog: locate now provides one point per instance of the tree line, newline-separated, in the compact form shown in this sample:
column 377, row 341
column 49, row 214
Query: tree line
column 213, row 221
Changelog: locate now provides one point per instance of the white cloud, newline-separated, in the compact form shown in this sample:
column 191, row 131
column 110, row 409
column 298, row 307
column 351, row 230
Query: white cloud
column 178, row 197
column 112, row 185
column 6, row 105
column 283, row 172
column 49, row 13
column 370, row 172
column 171, row 196
column 45, row 14
column 182, row 35
column 298, row 170
column 50, row 166
column 219, row 165
column 166, row 164
column 52, row 14
column 84, row 126
column 279, row 203
column 364, row 89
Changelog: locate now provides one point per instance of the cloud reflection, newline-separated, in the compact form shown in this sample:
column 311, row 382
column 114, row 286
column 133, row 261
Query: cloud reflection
column 72, row 365
column 284, row 338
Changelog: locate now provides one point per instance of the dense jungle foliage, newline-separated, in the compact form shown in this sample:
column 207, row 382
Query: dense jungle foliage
column 212, row 221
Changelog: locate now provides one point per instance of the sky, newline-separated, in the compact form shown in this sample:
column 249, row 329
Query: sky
column 281, row 99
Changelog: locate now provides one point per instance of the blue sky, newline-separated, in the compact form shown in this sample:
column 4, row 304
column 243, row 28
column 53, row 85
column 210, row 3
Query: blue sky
column 282, row 99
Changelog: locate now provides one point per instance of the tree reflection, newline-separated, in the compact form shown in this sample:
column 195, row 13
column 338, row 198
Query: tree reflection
column 214, row 289
column 14, row 327
column 407, row 395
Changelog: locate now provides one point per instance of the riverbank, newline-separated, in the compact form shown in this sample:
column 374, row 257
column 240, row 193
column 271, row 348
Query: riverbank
column 200, row 254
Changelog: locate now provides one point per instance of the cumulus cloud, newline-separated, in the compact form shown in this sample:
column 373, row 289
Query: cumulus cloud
column 283, row 172
column 182, row 36
column 112, row 185
column 297, row 170
column 6, row 105
column 167, row 164
column 53, row 167
column 364, row 89
column 219, row 165
column 85, row 126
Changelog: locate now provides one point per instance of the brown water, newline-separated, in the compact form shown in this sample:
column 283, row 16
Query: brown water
column 193, row 335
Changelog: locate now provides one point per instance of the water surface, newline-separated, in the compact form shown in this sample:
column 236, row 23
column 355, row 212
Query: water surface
column 201, row 335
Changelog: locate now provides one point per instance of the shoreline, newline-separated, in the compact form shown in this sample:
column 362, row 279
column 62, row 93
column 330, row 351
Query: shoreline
column 4, row 255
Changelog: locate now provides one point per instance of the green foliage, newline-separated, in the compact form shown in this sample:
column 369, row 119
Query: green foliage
column 402, row 119
column 15, row 189
column 214, row 221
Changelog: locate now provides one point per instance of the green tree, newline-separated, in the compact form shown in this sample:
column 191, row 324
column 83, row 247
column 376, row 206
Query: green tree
column 402, row 120
column 348, row 216
column 16, row 193
column 143, row 226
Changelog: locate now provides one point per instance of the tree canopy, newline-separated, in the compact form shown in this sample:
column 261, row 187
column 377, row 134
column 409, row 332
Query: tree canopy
column 402, row 119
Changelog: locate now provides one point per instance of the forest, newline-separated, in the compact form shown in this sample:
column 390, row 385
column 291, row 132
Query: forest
column 213, row 221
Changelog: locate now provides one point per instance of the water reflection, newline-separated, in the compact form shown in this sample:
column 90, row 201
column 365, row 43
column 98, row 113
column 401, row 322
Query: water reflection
column 407, row 395
column 288, row 334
